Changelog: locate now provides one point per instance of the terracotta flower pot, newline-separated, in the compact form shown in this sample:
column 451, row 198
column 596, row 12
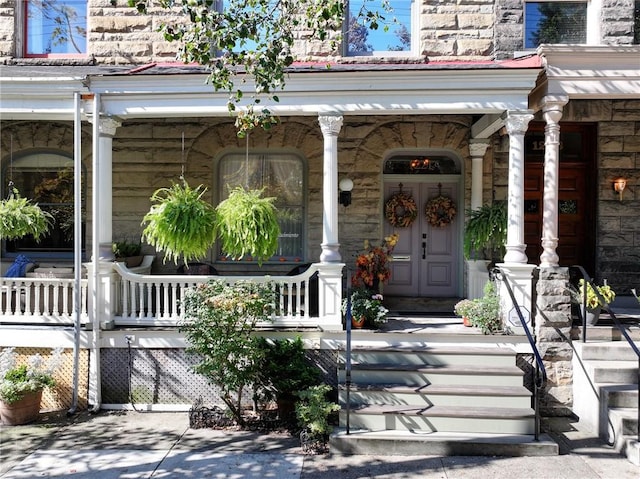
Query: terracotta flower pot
column 22, row 411
column 466, row 321
column 358, row 322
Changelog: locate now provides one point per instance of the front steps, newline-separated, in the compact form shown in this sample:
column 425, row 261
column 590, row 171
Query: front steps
column 605, row 390
column 460, row 399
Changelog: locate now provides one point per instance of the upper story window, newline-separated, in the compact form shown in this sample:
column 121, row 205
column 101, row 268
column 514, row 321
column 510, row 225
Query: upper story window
column 397, row 33
column 555, row 22
column 282, row 175
column 55, row 28
column 47, row 179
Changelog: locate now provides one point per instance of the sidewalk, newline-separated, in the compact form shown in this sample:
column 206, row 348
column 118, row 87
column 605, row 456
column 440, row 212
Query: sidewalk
column 161, row 445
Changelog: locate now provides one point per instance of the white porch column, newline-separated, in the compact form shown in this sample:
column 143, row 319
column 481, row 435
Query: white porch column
column 552, row 109
column 330, row 126
column 108, row 128
column 477, row 149
column 516, row 123
column 477, row 274
column 515, row 267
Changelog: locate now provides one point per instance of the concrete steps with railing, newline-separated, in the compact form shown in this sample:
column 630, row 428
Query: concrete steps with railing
column 605, row 390
column 462, row 399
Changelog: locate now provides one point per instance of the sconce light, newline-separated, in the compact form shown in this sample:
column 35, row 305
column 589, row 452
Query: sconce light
column 345, row 186
column 619, row 185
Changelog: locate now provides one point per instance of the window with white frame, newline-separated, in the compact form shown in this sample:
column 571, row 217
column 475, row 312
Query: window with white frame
column 282, row 176
column 555, row 22
column 55, row 28
column 46, row 178
column 396, row 31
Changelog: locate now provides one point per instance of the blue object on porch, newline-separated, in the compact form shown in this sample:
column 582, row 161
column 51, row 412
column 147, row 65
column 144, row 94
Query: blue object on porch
column 19, row 267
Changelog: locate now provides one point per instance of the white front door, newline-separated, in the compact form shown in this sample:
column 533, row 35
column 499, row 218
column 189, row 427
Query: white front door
column 427, row 259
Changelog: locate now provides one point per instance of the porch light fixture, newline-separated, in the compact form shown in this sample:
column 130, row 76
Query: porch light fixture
column 345, row 186
column 619, row 185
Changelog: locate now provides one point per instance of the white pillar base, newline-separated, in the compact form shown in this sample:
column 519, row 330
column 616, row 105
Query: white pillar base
column 477, row 277
column 520, row 278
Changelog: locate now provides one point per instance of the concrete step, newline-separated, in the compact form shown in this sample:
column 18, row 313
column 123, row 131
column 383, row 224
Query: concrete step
column 403, row 443
column 608, row 351
column 438, row 395
column 620, row 372
column 619, row 395
column 489, row 356
column 418, row 375
column 441, row 419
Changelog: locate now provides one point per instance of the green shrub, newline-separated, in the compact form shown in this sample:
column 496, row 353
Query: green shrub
column 313, row 410
column 218, row 326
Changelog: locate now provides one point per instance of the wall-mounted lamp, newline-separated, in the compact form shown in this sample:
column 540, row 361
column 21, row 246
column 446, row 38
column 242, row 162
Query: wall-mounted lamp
column 345, row 186
column 619, row 185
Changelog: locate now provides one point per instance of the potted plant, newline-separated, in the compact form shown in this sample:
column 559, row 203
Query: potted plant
column 180, row 222
column 372, row 265
column 464, row 308
column 485, row 233
column 366, row 308
column 20, row 217
column 21, row 385
column 485, row 313
column 592, row 301
column 129, row 252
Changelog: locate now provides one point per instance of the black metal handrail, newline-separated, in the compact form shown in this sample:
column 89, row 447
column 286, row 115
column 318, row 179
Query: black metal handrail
column 607, row 307
column 540, row 372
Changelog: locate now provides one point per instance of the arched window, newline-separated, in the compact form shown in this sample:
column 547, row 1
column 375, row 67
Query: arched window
column 46, row 178
column 282, row 175
column 407, row 164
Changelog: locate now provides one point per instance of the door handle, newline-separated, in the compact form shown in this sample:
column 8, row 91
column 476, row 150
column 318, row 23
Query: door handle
column 424, row 250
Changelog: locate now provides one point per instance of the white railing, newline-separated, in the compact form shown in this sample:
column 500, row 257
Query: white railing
column 41, row 301
column 154, row 300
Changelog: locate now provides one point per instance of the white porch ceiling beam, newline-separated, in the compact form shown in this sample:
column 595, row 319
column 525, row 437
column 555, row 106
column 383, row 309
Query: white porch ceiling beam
column 487, row 126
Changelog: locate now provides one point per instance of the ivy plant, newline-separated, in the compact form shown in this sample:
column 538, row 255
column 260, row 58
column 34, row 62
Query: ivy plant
column 253, row 40
column 248, row 224
column 180, row 222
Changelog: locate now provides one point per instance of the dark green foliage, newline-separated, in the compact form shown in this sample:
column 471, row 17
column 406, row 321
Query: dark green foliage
column 283, row 368
column 485, row 233
column 219, row 321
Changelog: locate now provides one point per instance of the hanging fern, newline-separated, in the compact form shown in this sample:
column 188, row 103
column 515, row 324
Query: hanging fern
column 180, row 223
column 248, row 225
column 20, row 217
column 486, row 231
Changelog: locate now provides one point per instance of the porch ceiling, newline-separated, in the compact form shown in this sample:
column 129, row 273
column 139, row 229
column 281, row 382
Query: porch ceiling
column 163, row 91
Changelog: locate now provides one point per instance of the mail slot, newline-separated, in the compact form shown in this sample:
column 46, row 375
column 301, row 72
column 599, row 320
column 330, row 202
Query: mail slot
column 401, row 258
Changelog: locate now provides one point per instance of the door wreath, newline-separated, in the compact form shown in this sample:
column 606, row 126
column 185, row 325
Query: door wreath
column 401, row 210
column 440, row 211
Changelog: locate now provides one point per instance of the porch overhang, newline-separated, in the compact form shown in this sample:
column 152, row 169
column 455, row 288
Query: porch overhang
column 170, row 90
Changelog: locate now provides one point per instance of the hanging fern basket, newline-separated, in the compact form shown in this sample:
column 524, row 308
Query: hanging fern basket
column 180, row 222
column 20, row 217
column 248, row 225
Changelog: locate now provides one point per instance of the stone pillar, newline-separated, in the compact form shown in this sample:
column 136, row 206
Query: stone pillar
column 552, row 109
column 477, row 149
column 516, row 123
column 553, row 328
column 330, row 126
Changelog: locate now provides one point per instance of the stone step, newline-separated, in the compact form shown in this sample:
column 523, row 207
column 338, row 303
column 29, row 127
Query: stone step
column 418, row 375
column 441, row 419
column 404, row 443
column 609, row 351
column 619, row 372
column 489, row 356
column 619, row 395
column 438, row 395
column 623, row 425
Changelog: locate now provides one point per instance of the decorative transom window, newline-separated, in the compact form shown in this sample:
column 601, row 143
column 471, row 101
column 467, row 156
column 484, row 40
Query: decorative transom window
column 554, row 23
column 282, row 175
column 396, row 34
column 46, row 178
column 420, row 165
column 55, row 28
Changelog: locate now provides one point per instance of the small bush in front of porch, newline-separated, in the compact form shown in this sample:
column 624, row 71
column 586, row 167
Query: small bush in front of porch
column 219, row 322
column 485, row 313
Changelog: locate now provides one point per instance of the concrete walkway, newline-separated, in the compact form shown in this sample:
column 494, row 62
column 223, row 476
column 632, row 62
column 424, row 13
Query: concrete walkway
column 161, row 445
